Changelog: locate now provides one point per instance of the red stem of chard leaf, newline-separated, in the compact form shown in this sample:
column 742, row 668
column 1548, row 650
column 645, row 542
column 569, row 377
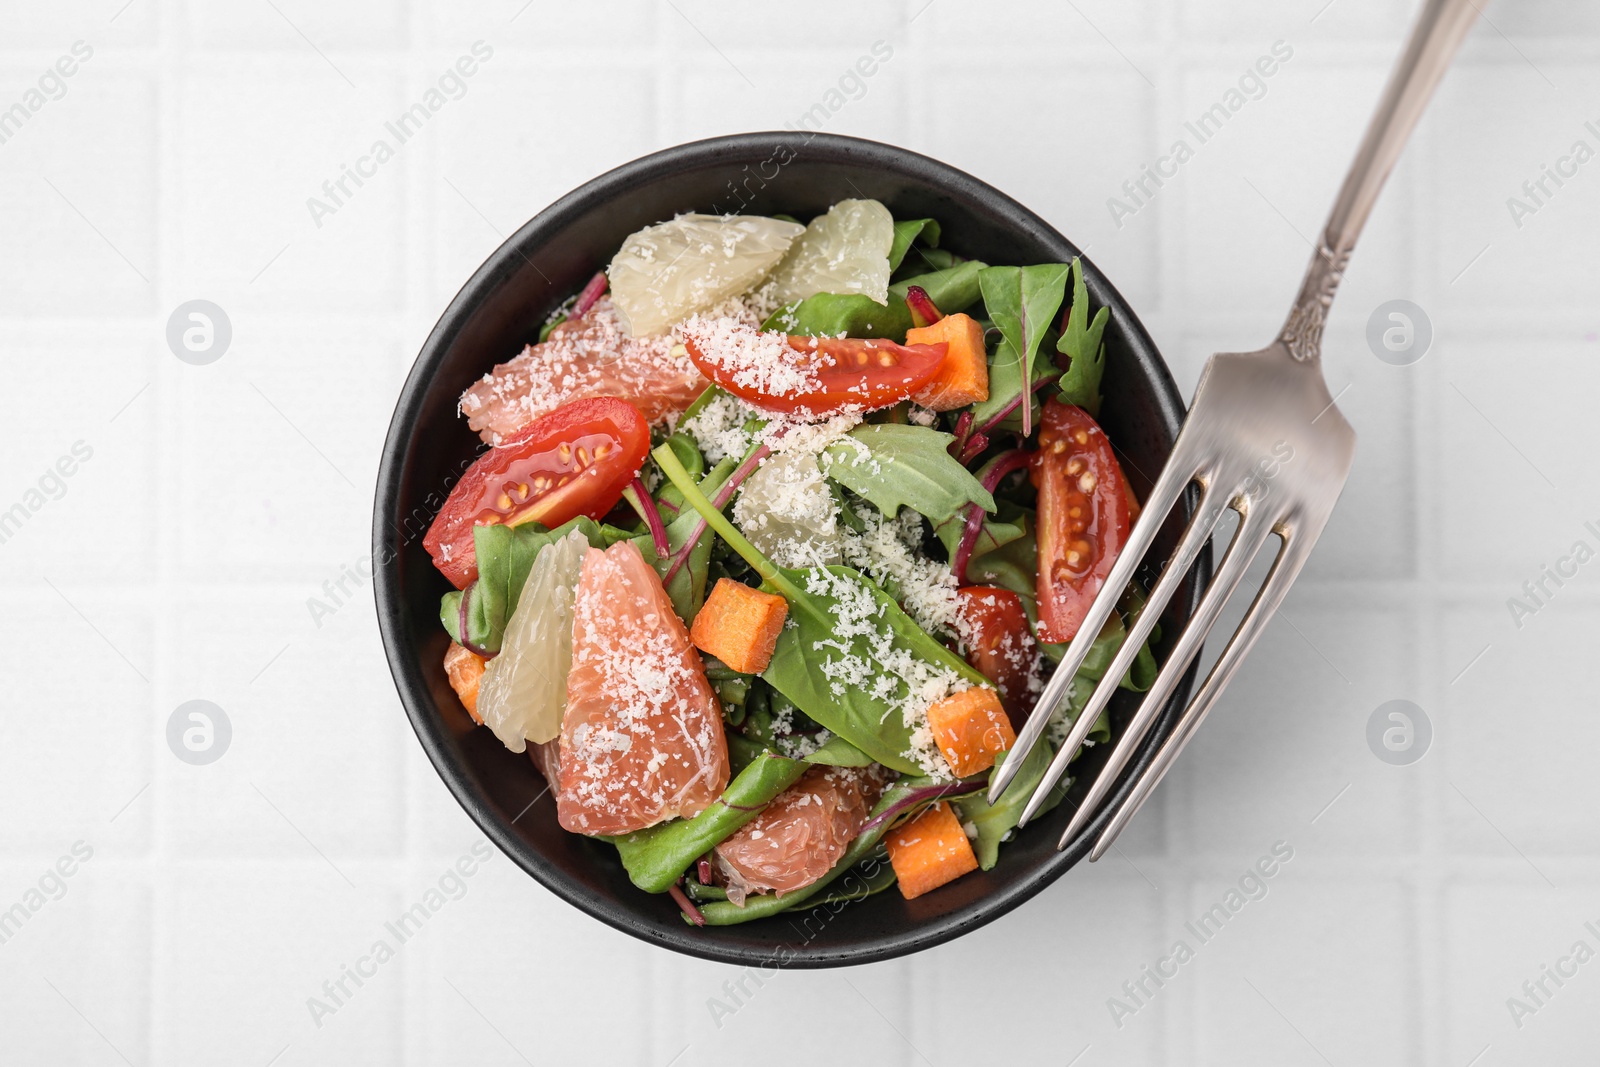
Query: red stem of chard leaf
column 719, row 501
column 704, row 870
column 1009, row 408
column 652, row 518
column 922, row 795
column 461, row 626
column 591, row 293
column 924, row 312
column 973, row 448
column 962, row 430
column 1000, row 466
column 687, row 905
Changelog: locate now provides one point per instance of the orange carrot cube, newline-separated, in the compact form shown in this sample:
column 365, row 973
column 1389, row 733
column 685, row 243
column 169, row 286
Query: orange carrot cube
column 963, row 377
column 929, row 851
column 971, row 728
column 466, row 671
column 739, row 625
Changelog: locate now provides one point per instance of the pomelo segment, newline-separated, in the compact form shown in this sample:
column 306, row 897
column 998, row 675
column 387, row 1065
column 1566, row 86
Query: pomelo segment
column 642, row 738
column 524, row 688
column 589, row 356
column 845, row 251
column 664, row 273
column 801, row 834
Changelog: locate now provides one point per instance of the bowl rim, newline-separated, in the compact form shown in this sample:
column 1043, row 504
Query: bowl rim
column 405, row 667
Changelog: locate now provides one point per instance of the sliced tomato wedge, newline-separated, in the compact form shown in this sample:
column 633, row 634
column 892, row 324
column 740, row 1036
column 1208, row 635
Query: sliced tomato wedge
column 575, row 461
column 1083, row 516
column 1001, row 647
column 817, row 374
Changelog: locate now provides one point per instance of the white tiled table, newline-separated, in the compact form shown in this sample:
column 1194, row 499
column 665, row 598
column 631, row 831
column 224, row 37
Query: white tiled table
column 175, row 563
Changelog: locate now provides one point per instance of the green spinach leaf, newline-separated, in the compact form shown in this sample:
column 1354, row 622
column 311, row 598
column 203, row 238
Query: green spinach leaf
column 854, row 315
column 906, row 233
column 891, row 465
column 656, row 856
column 837, row 752
column 1005, row 387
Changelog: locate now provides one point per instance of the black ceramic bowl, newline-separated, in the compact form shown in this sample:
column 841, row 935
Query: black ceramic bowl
column 502, row 307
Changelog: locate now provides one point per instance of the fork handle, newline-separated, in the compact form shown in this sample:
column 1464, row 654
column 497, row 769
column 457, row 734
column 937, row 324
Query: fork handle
column 1439, row 30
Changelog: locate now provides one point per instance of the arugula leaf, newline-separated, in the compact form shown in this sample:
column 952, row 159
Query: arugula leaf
column 855, row 315
column 1005, row 386
column 656, row 856
column 837, row 752
column 1023, row 301
column 868, row 718
column 905, row 233
column 891, row 465
column 505, row 555
column 1081, row 343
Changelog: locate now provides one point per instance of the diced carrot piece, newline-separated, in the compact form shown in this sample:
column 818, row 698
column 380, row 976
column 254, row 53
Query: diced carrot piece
column 963, row 377
column 971, row 728
column 739, row 625
column 929, row 851
column 466, row 671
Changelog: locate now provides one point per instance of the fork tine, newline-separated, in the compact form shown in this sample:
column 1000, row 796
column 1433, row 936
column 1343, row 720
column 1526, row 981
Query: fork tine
column 1291, row 557
column 1181, row 469
column 1254, row 529
column 1206, row 517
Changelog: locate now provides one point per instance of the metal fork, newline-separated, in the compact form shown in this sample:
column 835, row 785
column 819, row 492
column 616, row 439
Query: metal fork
column 1264, row 439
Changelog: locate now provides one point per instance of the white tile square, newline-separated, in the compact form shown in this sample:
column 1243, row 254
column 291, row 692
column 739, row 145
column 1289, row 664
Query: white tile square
column 312, row 773
column 262, row 142
column 1510, row 788
column 1269, row 991
column 81, row 236
column 1289, row 737
column 77, row 974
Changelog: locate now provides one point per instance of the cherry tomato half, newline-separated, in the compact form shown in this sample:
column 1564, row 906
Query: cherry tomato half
column 1000, row 646
column 1083, row 516
column 575, row 461
column 837, row 372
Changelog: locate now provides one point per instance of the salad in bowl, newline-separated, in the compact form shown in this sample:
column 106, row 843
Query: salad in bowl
column 780, row 527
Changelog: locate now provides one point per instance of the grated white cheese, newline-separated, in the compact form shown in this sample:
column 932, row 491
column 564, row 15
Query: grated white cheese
column 718, row 428
column 751, row 359
column 907, row 684
column 888, row 552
